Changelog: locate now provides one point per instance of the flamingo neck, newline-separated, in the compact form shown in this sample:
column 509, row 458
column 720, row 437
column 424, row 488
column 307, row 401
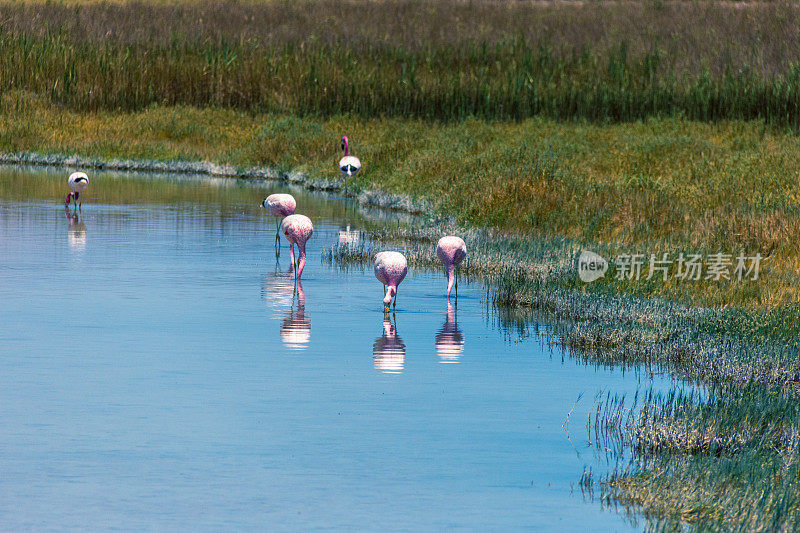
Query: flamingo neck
column 346, row 145
column 451, row 278
column 301, row 258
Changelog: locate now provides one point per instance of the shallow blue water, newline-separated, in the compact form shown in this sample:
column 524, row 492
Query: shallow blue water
column 159, row 371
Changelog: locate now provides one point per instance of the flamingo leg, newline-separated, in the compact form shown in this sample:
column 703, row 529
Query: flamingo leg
column 394, row 303
column 294, row 263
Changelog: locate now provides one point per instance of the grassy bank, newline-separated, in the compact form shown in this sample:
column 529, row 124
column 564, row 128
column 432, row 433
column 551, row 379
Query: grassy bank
column 657, row 186
column 445, row 60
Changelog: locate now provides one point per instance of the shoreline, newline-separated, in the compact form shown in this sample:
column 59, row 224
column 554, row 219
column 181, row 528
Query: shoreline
column 369, row 197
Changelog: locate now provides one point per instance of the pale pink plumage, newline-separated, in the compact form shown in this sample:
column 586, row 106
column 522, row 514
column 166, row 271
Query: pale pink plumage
column 297, row 229
column 451, row 251
column 78, row 182
column 390, row 269
column 280, row 205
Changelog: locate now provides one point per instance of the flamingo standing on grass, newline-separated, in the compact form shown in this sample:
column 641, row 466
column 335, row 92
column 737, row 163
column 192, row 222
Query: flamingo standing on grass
column 390, row 269
column 78, row 182
column 297, row 229
column 280, row 206
column 451, row 251
column 349, row 165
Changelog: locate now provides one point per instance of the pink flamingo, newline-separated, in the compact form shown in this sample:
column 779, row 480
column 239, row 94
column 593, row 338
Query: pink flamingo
column 390, row 269
column 451, row 251
column 349, row 165
column 78, row 182
column 279, row 206
column 298, row 229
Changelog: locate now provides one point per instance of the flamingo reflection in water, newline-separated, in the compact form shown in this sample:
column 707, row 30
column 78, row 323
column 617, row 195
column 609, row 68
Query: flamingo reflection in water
column 348, row 236
column 389, row 352
column 296, row 329
column 280, row 292
column 77, row 230
column 450, row 339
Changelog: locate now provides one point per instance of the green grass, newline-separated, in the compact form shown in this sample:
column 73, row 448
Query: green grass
column 730, row 462
column 604, row 61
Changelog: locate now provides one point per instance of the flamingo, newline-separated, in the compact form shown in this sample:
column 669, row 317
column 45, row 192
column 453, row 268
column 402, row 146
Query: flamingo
column 349, row 165
column 451, row 251
column 78, row 182
column 390, row 269
column 279, row 206
column 298, row 229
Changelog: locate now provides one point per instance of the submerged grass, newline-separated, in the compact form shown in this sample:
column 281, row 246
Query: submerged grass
column 729, row 461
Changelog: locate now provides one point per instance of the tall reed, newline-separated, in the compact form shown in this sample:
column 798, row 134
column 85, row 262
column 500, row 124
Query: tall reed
column 432, row 60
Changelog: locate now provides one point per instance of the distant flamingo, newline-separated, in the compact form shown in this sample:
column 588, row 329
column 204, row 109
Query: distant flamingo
column 279, row 206
column 298, row 229
column 78, row 182
column 349, row 165
column 451, row 251
column 390, row 269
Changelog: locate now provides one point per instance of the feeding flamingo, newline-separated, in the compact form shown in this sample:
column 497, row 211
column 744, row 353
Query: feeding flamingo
column 78, row 183
column 279, row 206
column 451, row 251
column 298, row 229
column 390, row 269
column 349, row 165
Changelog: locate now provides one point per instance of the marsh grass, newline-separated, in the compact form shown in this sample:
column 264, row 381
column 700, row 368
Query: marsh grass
column 445, row 60
column 727, row 459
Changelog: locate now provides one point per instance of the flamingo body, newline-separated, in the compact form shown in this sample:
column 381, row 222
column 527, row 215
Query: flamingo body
column 349, row 165
column 390, row 269
column 78, row 182
column 297, row 229
column 451, row 251
column 280, row 205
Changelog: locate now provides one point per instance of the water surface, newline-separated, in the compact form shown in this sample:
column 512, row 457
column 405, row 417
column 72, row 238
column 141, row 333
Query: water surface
column 160, row 370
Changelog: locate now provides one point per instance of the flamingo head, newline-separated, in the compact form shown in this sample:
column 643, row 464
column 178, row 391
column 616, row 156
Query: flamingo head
column 390, row 292
column 345, row 146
